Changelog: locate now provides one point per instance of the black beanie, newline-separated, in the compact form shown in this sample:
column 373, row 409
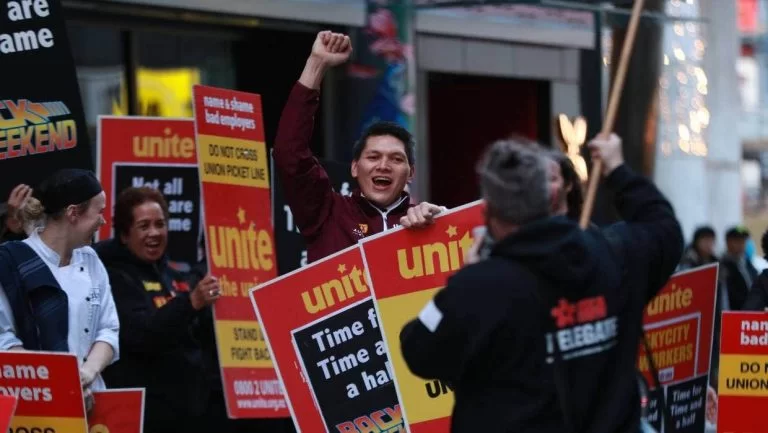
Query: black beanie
column 69, row 186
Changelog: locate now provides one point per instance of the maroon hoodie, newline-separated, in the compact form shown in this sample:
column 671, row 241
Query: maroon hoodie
column 329, row 221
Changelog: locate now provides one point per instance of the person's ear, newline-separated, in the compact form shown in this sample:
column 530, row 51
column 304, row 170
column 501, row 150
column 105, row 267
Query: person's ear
column 71, row 213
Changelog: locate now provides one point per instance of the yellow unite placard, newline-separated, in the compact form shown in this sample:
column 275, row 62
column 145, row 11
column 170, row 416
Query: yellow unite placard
column 398, row 311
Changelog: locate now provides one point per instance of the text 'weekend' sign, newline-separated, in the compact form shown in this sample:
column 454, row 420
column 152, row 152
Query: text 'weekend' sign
column 42, row 125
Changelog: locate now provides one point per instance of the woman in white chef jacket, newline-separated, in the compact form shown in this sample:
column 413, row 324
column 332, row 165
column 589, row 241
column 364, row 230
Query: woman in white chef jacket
column 79, row 315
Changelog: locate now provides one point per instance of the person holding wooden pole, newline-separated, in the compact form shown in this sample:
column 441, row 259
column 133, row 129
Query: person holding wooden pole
column 542, row 334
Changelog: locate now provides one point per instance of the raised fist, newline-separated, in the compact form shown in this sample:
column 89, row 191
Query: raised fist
column 332, row 48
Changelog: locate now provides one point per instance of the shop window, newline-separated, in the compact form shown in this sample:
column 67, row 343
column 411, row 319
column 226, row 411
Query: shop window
column 169, row 64
column 97, row 54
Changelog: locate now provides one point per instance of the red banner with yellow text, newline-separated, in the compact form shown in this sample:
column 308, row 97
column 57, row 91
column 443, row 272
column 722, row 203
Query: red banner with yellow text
column 406, row 268
column 743, row 373
column 117, row 411
column 7, row 408
column 232, row 163
column 328, row 348
column 158, row 153
column 47, row 387
column 679, row 326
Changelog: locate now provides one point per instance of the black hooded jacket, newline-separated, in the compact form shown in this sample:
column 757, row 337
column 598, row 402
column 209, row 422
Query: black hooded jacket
column 489, row 332
column 757, row 298
column 160, row 347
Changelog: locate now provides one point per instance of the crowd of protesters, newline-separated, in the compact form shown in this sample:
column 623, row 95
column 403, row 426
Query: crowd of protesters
column 134, row 320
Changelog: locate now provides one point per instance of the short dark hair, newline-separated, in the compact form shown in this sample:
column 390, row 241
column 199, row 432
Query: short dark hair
column 703, row 232
column 764, row 243
column 128, row 199
column 737, row 232
column 378, row 129
column 575, row 197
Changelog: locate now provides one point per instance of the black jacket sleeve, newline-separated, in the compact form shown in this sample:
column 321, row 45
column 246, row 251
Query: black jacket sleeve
column 146, row 328
column 653, row 232
column 757, row 299
column 429, row 343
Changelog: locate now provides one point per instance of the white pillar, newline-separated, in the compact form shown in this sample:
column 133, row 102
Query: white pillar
column 702, row 182
column 725, row 154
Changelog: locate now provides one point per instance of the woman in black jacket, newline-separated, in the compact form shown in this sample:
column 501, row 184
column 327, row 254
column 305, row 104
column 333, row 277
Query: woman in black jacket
column 159, row 313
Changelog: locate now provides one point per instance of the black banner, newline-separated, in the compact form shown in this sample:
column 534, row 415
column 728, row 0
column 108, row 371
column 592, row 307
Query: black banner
column 291, row 250
column 181, row 188
column 42, row 125
column 686, row 403
column 346, row 363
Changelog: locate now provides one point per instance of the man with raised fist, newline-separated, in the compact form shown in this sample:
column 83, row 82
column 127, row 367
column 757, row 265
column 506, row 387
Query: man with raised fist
column 383, row 164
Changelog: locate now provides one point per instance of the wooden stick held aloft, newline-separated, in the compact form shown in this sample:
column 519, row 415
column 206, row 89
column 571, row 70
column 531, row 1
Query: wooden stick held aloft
column 613, row 108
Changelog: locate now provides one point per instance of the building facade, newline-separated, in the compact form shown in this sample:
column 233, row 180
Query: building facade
column 481, row 73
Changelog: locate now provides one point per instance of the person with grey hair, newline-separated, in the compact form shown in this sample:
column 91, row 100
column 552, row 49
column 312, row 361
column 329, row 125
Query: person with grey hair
column 513, row 181
column 540, row 333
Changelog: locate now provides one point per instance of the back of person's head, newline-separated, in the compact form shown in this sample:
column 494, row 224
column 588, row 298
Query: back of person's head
column 736, row 240
column 382, row 128
column 703, row 232
column 764, row 243
column 513, row 181
column 54, row 195
column 32, row 215
column 737, row 233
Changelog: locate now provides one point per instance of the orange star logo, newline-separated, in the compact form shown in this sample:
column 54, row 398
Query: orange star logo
column 452, row 231
column 241, row 215
column 342, row 268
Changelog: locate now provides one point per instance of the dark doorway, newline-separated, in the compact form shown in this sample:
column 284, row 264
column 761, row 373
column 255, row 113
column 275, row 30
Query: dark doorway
column 466, row 114
column 269, row 62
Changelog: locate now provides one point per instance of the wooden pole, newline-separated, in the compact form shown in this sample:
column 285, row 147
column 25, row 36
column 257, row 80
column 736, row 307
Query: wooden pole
column 613, row 107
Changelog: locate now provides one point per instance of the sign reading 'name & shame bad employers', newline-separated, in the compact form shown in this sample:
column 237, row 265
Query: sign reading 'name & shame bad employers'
column 47, row 388
column 232, row 162
column 42, row 126
column 743, row 376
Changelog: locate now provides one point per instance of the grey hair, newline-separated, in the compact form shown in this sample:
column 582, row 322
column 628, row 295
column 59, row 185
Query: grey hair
column 513, row 181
